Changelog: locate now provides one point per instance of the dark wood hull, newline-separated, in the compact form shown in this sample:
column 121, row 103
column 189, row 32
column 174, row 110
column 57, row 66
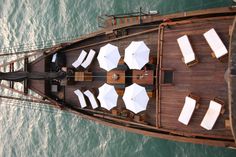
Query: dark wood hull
column 161, row 39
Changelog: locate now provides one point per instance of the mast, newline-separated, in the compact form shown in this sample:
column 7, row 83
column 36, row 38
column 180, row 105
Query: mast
column 18, row 76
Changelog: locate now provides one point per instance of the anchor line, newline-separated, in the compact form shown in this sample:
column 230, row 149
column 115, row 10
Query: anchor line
column 22, row 99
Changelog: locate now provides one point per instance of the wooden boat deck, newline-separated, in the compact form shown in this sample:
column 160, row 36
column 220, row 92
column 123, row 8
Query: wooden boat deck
column 205, row 79
column 232, row 79
column 99, row 75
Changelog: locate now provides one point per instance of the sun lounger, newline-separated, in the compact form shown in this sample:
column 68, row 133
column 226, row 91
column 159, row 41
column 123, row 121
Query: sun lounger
column 214, row 41
column 91, row 99
column 211, row 115
column 80, row 59
column 187, row 111
column 187, row 51
column 89, row 59
column 81, row 98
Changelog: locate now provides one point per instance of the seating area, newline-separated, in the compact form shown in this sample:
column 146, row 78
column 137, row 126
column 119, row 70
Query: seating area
column 54, row 57
column 189, row 57
column 84, row 59
column 213, row 40
column 211, row 116
column 108, row 97
column 80, row 59
column 205, row 79
column 89, row 59
column 91, row 98
column 116, row 77
column 81, row 98
column 188, row 109
column 83, row 76
column 216, row 44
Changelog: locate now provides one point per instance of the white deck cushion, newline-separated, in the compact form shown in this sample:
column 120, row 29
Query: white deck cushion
column 211, row 115
column 91, row 99
column 89, row 59
column 80, row 59
column 215, row 43
column 54, row 57
column 186, row 49
column 187, row 110
column 81, row 98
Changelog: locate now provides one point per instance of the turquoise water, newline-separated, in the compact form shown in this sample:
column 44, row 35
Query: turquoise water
column 31, row 129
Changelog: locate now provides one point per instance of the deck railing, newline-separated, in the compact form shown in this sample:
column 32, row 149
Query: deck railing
column 117, row 19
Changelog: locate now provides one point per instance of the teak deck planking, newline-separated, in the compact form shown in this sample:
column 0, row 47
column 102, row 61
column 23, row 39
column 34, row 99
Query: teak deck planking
column 205, row 79
column 164, row 108
column 171, row 100
column 100, row 75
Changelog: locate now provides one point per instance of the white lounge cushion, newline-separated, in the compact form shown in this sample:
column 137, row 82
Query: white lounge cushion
column 211, row 115
column 54, row 57
column 81, row 98
column 186, row 49
column 187, row 110
column 89, row 59
column 215, row 43
column 80, row 59
column 91, row 99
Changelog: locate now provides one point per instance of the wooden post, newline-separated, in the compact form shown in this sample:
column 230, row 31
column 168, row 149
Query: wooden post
column 158, row 95
column 26, row 80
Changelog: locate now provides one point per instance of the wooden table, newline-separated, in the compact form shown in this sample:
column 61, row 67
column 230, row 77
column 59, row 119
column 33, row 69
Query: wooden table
column 83, row 76
column 120, row 77
column 143, row 77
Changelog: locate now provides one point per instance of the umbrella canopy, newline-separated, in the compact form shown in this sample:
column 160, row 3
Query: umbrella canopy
column 108, row 57
column 135, row 98
column 136, row 55
column 107, row 96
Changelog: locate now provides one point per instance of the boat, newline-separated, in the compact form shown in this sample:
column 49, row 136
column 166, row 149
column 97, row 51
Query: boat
column 166, row 78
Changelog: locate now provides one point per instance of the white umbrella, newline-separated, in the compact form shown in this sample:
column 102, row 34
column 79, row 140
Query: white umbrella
column 136, row 55
column 108, row 57
column 135, row 98
column 107, row 96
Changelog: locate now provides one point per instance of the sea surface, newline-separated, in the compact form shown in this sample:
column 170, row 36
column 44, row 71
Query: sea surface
column 36, row 130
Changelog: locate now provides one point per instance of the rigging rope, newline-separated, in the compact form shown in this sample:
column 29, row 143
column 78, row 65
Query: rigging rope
column 21, row 99
column 137, row 76
column 45, row 44
column 17, row 53
column 36, row 107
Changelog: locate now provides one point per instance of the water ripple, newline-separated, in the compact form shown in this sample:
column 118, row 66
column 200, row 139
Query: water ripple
column 31, row 129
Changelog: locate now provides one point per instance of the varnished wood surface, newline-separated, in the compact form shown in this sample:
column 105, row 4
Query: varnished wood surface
column 120, row 74
column 205, row 79
column 232, row 80
column 100, row 75
column 143, row 77
column 130, row 21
